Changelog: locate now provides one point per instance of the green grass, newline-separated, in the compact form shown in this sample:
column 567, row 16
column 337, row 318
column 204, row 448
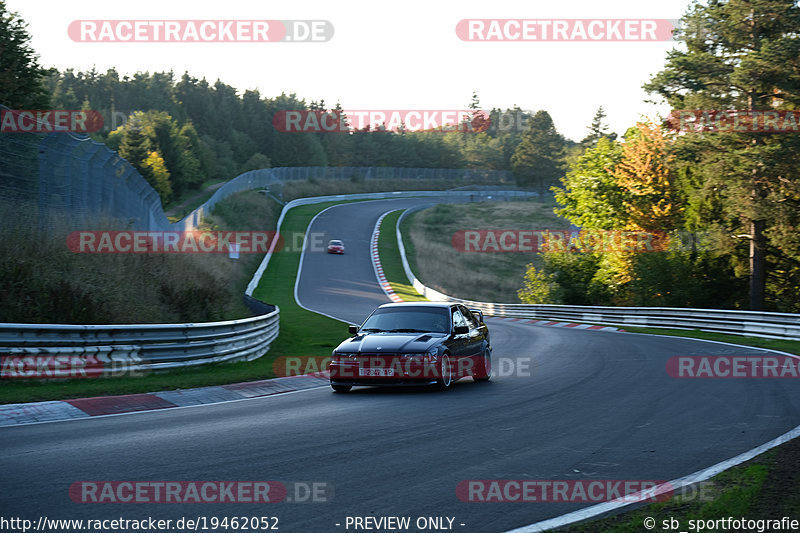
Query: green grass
column 732, row 493
column 411, row 250
column 391, row 262
column 781, row 345
column 194, row 198
column 303, row 333
column 756, row 489
column 484, row 276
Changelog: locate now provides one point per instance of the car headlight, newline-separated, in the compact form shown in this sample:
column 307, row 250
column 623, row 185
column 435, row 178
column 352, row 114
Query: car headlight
column 431, row 356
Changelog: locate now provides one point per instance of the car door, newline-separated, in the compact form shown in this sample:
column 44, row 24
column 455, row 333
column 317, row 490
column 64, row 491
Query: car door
column 476, row 338
column 462, row 359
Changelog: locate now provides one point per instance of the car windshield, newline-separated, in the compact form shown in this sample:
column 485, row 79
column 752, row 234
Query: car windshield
column 409, row 320
column 335, row 243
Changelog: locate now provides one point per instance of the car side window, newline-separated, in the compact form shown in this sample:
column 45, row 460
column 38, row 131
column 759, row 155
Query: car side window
column 468, row 317
column 458, row 319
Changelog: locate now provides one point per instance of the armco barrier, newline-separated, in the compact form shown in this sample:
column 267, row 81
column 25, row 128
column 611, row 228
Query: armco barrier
column 146, row 346
column 753, row 323
column 266, row 177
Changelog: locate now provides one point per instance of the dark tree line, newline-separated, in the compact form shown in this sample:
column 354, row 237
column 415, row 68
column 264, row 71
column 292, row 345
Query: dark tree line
column 206, row 131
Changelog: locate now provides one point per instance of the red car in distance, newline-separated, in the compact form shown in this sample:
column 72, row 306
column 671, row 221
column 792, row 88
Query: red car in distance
column 335, row 246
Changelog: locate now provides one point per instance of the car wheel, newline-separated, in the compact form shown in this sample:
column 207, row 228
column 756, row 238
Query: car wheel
column 445, row 374
column 484, row 372
column 341, row 388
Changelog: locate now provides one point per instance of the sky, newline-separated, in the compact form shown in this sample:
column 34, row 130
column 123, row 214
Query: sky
column 385, row 55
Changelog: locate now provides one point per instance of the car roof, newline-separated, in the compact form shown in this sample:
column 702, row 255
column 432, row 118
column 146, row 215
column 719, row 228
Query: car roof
column 417, row 304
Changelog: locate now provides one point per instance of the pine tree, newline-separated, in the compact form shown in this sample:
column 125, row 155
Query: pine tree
column 21, row 77
column 742, row 55
column 598, row 129
column 538, row 159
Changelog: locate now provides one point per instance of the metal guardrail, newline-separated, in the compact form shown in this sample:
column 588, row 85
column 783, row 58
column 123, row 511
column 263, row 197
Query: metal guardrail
column 752, row 323
column 267, row 177
column 114, row 349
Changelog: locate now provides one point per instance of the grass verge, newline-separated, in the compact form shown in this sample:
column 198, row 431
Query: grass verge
column 474, row 275
column 781, row 345
column 303, row 333
column 766, row 487
column 191, row 199
column 391, row 261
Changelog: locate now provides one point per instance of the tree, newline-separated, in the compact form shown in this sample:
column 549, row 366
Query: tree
column 475, row 101
column 591, row 197
column 138, row 149
column 538, row 158
column 539, row 287
column 134, row 144
column 598, row 129
column 21, row 77
column 643, row 175
column 741, row 55
column 156, row 173
column 256, row 162
column 170, row 141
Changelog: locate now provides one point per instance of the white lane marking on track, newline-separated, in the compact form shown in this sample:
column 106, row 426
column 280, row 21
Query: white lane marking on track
column 696, row 477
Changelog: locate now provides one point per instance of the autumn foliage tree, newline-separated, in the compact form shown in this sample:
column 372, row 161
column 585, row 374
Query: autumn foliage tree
column 644, row 180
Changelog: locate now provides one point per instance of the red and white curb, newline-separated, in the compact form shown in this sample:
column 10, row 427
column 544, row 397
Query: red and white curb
column 376, row 261
column 555, row 324
column 53, row 411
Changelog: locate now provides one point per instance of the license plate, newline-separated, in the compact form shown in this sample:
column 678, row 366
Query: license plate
column 379, row 372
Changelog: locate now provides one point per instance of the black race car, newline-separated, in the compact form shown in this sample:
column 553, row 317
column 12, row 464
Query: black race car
column 414, row 343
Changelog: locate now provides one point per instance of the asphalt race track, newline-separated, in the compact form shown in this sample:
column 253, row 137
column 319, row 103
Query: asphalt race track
column 595, row 405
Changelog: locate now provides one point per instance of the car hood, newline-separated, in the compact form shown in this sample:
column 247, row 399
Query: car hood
column 390, row 343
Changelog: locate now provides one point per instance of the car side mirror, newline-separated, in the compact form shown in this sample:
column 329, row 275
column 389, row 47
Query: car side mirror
column 461, row 330
column 352, row 329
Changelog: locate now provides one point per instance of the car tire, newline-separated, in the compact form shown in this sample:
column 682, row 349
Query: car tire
column 341, row 388
column 484, row 372
column 445, row 381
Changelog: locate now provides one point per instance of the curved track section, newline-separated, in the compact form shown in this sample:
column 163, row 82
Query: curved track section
column 596, row 405
column 344, row 286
